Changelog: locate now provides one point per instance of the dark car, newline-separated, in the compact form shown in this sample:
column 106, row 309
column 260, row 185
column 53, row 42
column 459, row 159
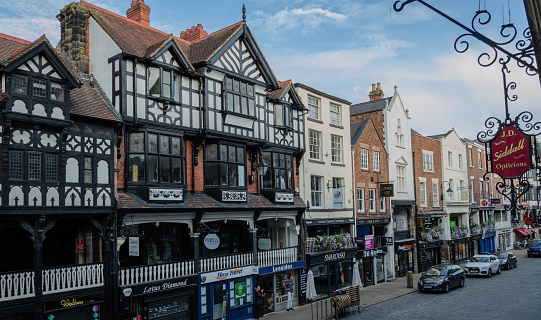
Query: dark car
column 535, row 248
column 442, row 278
column 507, row 260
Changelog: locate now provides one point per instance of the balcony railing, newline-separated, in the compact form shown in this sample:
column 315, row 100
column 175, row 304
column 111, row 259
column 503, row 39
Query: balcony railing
column 157, row 272
column 224, row 262
column 402, row 235
column 276, row 257
column 17, row 285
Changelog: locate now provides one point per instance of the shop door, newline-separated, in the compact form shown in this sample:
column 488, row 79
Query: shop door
column 220, row 301
column 403, row 263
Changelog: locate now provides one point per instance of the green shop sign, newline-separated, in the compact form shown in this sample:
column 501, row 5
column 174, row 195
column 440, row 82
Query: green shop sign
column 240, row 289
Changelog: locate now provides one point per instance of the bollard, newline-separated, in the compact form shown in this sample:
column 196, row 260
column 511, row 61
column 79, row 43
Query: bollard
column 410, row 279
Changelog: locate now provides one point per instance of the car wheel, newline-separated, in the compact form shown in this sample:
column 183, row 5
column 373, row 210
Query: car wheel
column 489, row 272
column 499, row 270
column 447, row 287
column 462, row 281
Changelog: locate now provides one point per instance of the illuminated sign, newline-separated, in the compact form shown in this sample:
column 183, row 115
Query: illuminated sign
column 510, row 152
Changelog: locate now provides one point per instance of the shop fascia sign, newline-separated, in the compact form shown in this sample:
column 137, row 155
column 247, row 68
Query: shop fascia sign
column 281, row 268
column 372, row 253
column 328, row 221
column 228, row 274
column 73, row 301
column 159, row 287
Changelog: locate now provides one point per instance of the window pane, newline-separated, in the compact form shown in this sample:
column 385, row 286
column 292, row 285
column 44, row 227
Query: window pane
column 34, row 165
column 223, row 152
column 39, row 88
column 19, row 84
column 154, row 86
column 283, row 179
column 236, row 86
column 241, row 169
column 152, row 168
column 137, row 142
column 288, row 161
column 51, row 167
column 175, row 147
column 240, row 155
column 15, row 165
column 176, row 87
column 153, row 143
column 167, row 84
column 176, row 173
column 279, row 115
column 164, row 144
column 276, row 160
column 136, row 163
column 251, row 107
column 232, row 154
column 229, row 84
column 233, row 175
column 244, row 105
column 236, row 106
column 211, row 152
column 250, row 90
column 267, row 178
column 57, row 91
column 243, row 88
column 223, row 173
column 165, row 169
column 290, row 182
column 211, row 173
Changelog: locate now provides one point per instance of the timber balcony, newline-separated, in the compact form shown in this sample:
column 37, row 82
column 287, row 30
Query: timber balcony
column 19, row 285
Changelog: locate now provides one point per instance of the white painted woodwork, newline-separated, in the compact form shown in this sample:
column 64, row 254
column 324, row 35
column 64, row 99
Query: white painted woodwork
column 72, row 170
column 19, row 106
column 224, row 262
column 39, row 110
column 142, row 274
column 276, row 257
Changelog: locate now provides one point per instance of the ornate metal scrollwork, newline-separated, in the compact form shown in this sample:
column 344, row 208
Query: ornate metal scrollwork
column 523, row 121
column 493, row 125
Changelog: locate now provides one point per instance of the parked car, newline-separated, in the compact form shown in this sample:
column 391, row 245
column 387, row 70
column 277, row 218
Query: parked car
column 535, row 248
column 507, row 260
column 483, row 265
column 441, row 278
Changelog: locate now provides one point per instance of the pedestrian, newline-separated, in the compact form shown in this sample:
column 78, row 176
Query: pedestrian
column 258, row 302
column 288, row 286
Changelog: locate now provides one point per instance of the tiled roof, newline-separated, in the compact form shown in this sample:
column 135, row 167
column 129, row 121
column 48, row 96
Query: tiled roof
column 10, row 45
column 91, row 101
column 203, row 49
column 199, row 200
column 368, row 106
column 277, row 94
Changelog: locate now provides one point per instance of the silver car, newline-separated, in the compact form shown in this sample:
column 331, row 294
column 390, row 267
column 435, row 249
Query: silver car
column 483, row 265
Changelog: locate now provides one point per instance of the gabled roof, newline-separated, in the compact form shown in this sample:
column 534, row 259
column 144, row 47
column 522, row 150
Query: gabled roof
column 90, row 101
column 286, row 87
column 204, row 49
column 441, row 135
column 10, row 45
column 369, row 106
column 356, row 129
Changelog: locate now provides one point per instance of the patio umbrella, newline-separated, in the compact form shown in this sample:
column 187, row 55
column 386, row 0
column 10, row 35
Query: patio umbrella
column 310, row 289
column 356, row 281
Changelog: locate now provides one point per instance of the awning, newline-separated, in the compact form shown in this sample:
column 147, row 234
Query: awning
column 524, row 231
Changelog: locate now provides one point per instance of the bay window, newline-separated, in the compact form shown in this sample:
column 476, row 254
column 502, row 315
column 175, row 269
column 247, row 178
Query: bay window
column 225, row 165
column 280, row 172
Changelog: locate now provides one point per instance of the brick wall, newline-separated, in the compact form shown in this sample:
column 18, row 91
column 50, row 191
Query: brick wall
column 120, row 168
column 377, row 118
column 418, row 144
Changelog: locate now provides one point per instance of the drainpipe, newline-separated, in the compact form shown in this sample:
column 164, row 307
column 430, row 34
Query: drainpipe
column 418, row 255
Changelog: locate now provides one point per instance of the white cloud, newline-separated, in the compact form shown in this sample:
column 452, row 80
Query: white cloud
column 319, row 11
column 31, row 29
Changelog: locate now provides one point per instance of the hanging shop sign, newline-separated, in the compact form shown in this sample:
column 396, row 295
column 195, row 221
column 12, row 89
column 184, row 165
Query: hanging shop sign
column 211, row 241
column 133, row 246
column 79, row 245
column 495, row 201
column 282, row 267
column 386, row 190
column 388, row 241
column 368, row 242
column 338, row 198
column 73, row 301
column 228, row 274
column 264, row 244
column 157, row 287
column 510, row 152
column 372, row 253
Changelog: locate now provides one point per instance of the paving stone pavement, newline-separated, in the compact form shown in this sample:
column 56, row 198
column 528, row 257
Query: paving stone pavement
column 384, row 292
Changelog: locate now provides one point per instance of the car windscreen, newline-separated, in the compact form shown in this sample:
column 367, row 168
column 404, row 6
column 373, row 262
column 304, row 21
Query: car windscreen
column 536, row 243
column 480, row 259
column 502, row 256
column 435, row 272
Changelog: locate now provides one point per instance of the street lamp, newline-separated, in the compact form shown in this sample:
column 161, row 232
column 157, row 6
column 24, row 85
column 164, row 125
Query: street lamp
column 449, row 191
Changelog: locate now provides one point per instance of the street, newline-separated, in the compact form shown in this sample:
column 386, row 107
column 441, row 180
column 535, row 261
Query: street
column 514, row 294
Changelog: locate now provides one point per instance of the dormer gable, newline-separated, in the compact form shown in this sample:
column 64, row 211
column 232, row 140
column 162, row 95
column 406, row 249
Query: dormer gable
column 167, row 52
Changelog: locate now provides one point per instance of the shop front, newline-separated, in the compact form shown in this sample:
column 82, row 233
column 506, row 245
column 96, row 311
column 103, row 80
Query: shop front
column 475, row 245
column 271, row 280
column 429, row 254
column 505, row 239
column 227, row 294
column 171, row 299
column 76, row 307
column 456, row 251
column 372, row 265
column 488, row 242
column 332, row 271
column 403, row 257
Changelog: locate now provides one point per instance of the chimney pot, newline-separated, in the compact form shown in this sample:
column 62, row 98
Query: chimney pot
column 376, row 93
column 139, row 12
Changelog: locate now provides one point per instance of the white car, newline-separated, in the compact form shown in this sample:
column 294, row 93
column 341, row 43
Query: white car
column 483, row 265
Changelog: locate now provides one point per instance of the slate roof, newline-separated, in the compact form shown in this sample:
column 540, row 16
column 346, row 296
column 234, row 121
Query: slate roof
column 199, row 200
column 356, row 129
column 90, row 101
column 369, row 106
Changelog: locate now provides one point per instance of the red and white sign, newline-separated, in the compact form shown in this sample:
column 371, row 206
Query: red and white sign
column 510, row 152
column 79, row 245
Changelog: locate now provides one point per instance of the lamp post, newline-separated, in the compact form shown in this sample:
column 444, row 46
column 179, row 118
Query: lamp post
column 449, row 191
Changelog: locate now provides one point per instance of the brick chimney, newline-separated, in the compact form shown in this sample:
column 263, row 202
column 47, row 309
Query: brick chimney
column 376, row 93
column 139, row 12
column 194, row 33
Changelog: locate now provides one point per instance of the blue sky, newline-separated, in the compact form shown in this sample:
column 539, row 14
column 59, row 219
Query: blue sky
column 342, row 47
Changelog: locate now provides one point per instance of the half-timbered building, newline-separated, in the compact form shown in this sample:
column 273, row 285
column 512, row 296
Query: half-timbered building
column 208, row 166
column 57, row 186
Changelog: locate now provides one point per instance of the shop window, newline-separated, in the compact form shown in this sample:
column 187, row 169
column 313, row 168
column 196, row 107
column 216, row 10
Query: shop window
column 225, row 165
column 239, row 97
column 155, row 158
column 240, row 292
column 280, row 172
